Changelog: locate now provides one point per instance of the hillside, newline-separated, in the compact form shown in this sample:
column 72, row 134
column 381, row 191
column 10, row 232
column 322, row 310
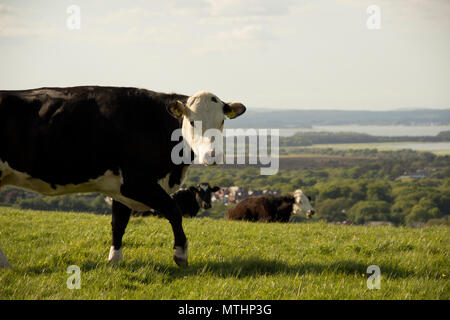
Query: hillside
column 310, row 138
column 228, row 260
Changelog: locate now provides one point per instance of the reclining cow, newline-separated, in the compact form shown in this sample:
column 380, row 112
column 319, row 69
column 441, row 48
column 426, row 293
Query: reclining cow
column 188, row 200
column 110, row 140
column 269, row 208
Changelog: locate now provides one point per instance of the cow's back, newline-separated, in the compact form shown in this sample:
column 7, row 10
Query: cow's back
column 250, row 209
column 262, row 208
column 70, row 135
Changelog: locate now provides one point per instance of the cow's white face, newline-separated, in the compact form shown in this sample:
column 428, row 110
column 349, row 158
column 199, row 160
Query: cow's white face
column 201, row 113
column 302, row 204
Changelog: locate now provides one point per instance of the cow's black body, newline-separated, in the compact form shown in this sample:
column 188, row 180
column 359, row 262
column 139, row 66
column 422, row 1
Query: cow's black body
column 263, row 208
column 188, row 200
column 68, row 136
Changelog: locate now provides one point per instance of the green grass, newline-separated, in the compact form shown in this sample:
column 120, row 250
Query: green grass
column 228, row 260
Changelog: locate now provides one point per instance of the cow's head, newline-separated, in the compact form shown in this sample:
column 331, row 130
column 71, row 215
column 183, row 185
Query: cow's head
column 203, row 193
column 202, row 112
column 302, row 204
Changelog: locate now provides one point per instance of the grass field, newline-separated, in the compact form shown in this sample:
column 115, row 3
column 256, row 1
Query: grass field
column 228, row 260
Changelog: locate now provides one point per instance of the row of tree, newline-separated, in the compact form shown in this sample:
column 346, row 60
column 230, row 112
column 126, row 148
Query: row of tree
column 310, row 138
column 366, row 192
column 370, row 191
column 94, row 203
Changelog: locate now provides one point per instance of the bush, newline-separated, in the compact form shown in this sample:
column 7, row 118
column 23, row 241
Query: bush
column 365, row 211
column 423, row 211
column 333, row 210
column 379, row 191
column 440, row 221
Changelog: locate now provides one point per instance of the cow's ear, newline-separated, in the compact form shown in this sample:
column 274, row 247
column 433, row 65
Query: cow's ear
column 215, row 189
column 289, row 199
column 193, row 189
column 233, row 109
column 203, row 186
column 177, row 109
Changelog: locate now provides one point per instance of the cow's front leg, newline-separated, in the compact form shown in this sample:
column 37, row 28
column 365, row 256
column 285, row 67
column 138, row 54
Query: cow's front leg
column 152, row 195
column 120, row 218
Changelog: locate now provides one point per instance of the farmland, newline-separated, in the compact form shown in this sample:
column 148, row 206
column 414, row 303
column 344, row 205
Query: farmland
column 228, row 260
column 313, row 259
column 439, row 148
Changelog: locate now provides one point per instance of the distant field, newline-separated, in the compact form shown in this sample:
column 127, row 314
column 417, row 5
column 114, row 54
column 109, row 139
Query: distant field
column 228, row 260
column 439, row 148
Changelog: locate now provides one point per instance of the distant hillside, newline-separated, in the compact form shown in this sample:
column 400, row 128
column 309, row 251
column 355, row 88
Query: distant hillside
column 310, row 138
column 306, row 118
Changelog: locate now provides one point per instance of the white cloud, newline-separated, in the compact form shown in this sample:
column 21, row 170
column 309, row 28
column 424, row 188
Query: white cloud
column 239, row 39
column 246, row 33
column 238, row 8
column 13, row 24
column 232, row 8
column 134, row 15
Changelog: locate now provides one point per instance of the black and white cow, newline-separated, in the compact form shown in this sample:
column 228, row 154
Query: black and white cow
column 110, row 140
column 190, row 200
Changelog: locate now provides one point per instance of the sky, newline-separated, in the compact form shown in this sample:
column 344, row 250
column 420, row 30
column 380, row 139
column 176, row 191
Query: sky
column 284, row 54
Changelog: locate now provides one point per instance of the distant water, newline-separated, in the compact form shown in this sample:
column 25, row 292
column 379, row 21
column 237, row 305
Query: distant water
column 391, row 131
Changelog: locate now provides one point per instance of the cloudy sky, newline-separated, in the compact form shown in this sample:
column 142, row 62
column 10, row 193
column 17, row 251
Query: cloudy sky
column 308, row 54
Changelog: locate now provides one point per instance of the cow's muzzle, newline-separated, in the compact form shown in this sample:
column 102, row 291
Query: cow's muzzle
column 309, row 214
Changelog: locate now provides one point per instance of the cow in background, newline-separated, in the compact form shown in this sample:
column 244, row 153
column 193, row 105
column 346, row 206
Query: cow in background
column 270, row 208
column 190, row 200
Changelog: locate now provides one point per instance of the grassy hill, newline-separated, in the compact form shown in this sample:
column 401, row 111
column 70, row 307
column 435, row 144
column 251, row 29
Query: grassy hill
column 228, row 260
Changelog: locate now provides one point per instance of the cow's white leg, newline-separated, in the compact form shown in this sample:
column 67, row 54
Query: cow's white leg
column 4, row 263
column 115, row 256
column 181, row 255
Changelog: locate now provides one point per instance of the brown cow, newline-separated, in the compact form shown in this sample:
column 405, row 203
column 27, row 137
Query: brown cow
column 270, row 208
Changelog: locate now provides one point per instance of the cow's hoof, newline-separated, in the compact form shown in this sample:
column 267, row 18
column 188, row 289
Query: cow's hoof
column 115, row 256
column 181, row 256
column 4, row 263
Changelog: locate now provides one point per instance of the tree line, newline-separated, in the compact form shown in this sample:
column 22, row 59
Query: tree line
column 369, row 191
column 311, row 138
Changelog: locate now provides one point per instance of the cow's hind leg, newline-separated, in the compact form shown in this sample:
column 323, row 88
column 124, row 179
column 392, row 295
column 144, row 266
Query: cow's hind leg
column 152, row 195
column 120, row 218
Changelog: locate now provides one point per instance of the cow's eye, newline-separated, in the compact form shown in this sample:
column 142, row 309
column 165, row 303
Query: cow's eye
column 213, row 99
